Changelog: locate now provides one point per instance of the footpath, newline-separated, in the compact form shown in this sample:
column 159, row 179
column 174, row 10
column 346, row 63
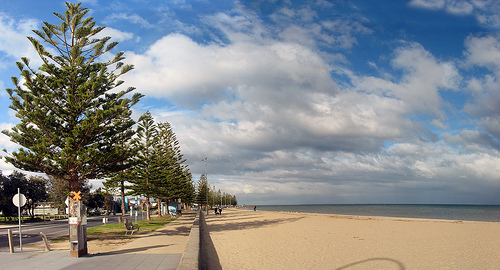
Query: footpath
column 174, row 246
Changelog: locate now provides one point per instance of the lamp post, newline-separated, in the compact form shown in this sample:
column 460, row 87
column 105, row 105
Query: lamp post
column 206, row 179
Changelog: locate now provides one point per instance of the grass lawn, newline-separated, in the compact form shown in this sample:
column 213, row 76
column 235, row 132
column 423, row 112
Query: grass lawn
column 117, row 231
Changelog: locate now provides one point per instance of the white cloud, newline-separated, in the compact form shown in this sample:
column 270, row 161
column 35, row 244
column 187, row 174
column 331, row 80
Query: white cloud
column 303, row 14
column 420, row 172
column 179, row 68
column 431, row 4
column 272, row 108
column 423, row 77
column 484, row 51
column 131, row 18
column 460, row 7
column 13, row 41
column 116, row 35
column 4, row 139
column 244, row 87
column 472, row 141
column 6, row 168
column 487, row 12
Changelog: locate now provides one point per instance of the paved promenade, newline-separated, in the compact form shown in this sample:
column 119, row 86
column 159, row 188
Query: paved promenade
column 162, row 249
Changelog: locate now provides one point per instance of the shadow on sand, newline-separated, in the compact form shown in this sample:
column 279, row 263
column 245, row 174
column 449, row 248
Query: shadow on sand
column 242, row 222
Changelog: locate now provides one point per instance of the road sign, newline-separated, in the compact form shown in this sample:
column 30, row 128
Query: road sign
column 76, row 196
column 19, row 198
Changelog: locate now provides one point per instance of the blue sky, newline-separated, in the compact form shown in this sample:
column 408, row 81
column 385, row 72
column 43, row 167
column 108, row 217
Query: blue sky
column 308, row 101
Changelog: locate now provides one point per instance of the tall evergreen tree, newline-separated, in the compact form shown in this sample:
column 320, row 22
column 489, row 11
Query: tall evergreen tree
column 145, row 159
column 201, row 192
column 70, row 121
column 170, row 178
column 189, row 191
column 118, row 179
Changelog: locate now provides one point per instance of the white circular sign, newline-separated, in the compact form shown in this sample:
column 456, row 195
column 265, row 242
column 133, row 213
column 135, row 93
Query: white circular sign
column 16, row 200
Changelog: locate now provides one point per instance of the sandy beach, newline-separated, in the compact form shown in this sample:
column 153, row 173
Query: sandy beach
column 245, row 239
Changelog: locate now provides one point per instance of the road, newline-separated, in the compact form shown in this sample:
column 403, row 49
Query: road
column 51, row 229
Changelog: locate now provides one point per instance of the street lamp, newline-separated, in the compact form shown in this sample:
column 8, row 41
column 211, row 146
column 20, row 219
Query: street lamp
column 206, row 179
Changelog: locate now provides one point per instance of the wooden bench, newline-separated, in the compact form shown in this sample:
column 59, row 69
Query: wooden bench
column 130, row 228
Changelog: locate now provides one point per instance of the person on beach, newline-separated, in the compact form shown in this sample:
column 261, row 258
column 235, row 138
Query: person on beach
column 220, row 210
column 215, row 211
column 255, row 208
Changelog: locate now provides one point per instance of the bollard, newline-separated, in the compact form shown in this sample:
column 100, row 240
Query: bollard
column 45, row 241
column 11, row 241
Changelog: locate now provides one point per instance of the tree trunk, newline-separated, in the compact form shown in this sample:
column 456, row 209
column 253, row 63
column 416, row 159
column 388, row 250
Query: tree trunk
column 159, row 208
column 148, row 213
column 122, row 194
column 73, row 185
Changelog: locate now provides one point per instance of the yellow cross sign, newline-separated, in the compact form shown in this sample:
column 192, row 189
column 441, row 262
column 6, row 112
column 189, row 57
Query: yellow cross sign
column 76, row 196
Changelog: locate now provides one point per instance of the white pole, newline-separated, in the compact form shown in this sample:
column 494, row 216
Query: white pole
column 19, row 214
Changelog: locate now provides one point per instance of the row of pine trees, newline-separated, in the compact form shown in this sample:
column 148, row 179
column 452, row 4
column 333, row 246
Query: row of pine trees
column 158, row 169
column 75, row 120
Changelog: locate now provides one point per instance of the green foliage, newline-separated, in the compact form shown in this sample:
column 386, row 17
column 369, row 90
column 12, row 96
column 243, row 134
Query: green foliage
column 8, row 188
column 117, row 179
column 160, row 171
column 97, row 199
column 146, row 159
column 201, row 192
column 58, row 190
column 71, row 124
column 170, row 174
column 34, row 189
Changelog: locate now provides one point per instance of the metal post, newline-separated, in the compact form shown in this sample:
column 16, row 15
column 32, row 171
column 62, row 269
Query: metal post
column 45, row 241
column 19, row 213
column 11, row 241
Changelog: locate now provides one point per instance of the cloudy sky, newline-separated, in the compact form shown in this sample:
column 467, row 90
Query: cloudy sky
column 309, row 101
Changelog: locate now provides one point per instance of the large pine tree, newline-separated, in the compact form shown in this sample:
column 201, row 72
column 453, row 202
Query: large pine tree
column 71, row 123
column 145, row 159
column 202, row 191
column 171, row 176
column 160, row 171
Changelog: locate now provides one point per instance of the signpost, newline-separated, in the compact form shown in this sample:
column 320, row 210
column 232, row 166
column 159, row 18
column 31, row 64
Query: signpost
column 19, row 200
column 77, row 226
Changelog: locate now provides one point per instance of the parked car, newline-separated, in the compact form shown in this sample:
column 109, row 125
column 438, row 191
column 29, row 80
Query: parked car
column 94, row 212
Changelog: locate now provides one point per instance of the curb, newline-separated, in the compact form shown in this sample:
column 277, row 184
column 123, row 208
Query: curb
column 190, row 257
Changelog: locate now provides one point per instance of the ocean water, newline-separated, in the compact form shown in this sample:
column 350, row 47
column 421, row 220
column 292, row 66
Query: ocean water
column 490, row 213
